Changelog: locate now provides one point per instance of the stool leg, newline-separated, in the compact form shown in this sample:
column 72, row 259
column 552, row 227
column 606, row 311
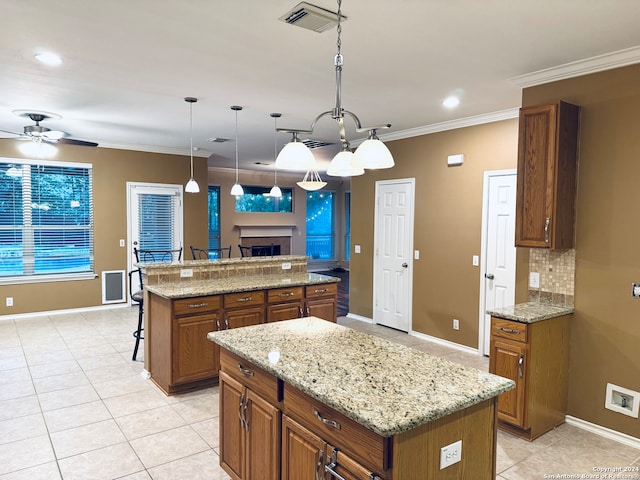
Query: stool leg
column 138, row 333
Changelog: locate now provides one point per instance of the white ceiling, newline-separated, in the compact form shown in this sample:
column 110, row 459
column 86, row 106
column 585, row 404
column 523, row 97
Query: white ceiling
column 129, row 64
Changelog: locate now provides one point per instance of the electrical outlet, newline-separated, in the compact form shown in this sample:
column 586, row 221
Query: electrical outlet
column 534, row 280
column 186, row 272
column 635, row 290
column 456, row 324
column 9, row 302
column 286, row 266
column 450, row 454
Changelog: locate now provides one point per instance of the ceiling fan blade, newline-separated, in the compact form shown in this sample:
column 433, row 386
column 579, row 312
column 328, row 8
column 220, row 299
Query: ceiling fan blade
column 12, row 133
column 55, row 134
column 75, row 141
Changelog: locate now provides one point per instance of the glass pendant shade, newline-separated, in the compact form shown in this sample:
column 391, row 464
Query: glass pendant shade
column 275, row 192
column 295, row 155
column 345, row 164
column 192, row 186
column 374, row 154
column 311, row 181
column 237, row 190
column 37, row 149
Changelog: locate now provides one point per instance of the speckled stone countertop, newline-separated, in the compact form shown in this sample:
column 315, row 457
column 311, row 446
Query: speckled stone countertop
column 530, row 312
column 199, row 288
column 384, row 386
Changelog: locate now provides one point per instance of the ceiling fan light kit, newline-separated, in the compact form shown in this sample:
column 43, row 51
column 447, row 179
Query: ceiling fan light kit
column 375, row 155
column 191, row 186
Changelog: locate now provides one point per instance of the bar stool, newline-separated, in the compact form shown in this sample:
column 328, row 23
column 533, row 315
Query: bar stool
column 137, row 296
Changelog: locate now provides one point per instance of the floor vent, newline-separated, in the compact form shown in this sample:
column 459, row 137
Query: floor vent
column 311, row 17
column 113, row 287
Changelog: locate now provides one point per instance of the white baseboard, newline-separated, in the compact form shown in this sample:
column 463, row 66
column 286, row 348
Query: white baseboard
column 359, row 317
column 604, row 432
column 62, row 312
column 446, row 343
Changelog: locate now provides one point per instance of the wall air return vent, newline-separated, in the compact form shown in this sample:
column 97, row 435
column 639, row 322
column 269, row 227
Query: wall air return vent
column 311, row 17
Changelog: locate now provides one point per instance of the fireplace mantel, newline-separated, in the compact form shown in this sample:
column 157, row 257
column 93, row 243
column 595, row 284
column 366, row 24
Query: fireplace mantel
column 266, row 230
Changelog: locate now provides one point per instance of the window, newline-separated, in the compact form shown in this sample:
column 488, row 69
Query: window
column 214, row 217
column 347, row 226
column 46, row 220
column 320, row 225
column 257, row 199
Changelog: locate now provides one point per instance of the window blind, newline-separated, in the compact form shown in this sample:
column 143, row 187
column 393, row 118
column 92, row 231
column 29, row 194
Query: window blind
column 157, row 221
column 46, row 218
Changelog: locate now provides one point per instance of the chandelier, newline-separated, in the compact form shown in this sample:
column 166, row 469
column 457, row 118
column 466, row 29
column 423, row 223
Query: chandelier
column 370, row 154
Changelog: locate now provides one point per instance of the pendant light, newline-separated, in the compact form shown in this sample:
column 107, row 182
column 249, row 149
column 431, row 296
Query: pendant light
column 311, row 181
column 192, row 185
column 345, row 164
column 371, row 154
column 275, row 190
column 237, row 188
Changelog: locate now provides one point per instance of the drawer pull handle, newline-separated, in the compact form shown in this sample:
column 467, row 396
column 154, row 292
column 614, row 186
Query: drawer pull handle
column 301, row 312
column 509, row 330
column 226, row 323
column 217, row 324
column 326, row 421
column 320, row 290
column 546, row 230
column 198, row 305
column 520, row 363
column 245, row 371
column 245, row 299
column 241, row 412
column 286, row 294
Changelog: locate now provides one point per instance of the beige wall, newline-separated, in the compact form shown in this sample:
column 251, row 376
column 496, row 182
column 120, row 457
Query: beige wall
column 447, row 225
column 605, row 336
column 112, row 169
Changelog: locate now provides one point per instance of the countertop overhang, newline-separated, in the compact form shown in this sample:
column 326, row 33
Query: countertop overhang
column 199, row 288
column 530, row 312
column 386, row 387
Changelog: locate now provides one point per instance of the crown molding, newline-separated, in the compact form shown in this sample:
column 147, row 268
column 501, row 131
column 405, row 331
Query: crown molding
column 599, row 63
column 155, row 149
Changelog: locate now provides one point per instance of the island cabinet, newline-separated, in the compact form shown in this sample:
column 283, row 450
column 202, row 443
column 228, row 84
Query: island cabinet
column 250, row 420
column 547, row 173
column 179, row 355
column 243, row 309
column 536, row 357
column 321, row 301
column 284, row 303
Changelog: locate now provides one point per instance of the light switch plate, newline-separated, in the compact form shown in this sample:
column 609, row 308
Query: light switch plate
column 356, row 249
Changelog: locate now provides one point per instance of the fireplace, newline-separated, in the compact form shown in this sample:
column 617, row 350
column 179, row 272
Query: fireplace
column 256, row 236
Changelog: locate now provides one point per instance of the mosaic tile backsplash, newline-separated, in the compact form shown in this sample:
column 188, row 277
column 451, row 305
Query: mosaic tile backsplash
column 557, row 269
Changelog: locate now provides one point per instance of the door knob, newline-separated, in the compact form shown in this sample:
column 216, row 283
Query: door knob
column 405, row 265
column 489, row 276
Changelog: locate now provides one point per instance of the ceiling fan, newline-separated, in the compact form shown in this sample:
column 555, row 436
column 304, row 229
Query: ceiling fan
column 38, row 132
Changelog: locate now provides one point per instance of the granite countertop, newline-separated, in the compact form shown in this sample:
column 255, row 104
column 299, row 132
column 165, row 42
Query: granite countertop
column 384, row 386
column 199, row 288
column 530, row 312
column 221, row 261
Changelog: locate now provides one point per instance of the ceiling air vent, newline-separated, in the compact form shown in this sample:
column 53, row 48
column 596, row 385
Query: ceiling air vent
column 217, row 140
column 311, row 143
column 311, row 17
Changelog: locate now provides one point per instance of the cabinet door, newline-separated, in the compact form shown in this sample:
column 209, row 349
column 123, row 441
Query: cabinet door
column 262, row 438
column 194, row 355
column 302, row 452
column 509, row 360
column 232, row 451
column 324, row 308
column 284, row 311
column 243, row 317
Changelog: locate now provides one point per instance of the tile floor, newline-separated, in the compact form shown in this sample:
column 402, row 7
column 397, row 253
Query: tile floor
column 74, row 406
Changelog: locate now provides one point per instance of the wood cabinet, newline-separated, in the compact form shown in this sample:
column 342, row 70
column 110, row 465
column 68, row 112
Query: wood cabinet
column 284, row 303
column 250, row 420
column 547, row 174
column 536, row 357
column 180, row 357
column 321, row 301
column 243, row 309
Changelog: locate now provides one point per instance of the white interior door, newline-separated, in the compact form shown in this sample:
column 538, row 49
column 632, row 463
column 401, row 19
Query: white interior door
column 498, row 269
column 393, row 253
column 154, row 218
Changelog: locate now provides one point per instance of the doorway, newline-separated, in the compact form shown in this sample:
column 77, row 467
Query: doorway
column 498, row 251
column 393, row 253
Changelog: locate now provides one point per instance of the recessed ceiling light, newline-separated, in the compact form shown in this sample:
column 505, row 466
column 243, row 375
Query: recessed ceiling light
column 49, row 58
column 451, row 102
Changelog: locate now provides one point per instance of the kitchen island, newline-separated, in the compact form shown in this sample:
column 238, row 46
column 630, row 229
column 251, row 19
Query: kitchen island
column 303, row 397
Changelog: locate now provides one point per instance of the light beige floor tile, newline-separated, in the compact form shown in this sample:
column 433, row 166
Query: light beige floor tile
column 46, row 471
column 25, row 453
column 55, row 368
column 67, row 398
column 100, row 361
column 168, row 446
column 19, row 389
column 202, row 465
column 470, row 360
column 19, row 407
column 121, row 386
column 198, row 409
column 9, row 352
column 135, row 402
column 86, row 438
column 107, row 463
column 21, row 428
column 11, row 363
column 60, row 382
column 97, row 375
column 209, row 431
column 45, row 358
column 91, row 339
column 76, row 416
column 96, row 350
column 15, row 375
column 137, row 476
column 149, row 422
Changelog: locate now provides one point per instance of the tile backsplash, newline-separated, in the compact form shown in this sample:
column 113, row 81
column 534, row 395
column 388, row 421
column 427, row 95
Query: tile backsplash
column 557, row 269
